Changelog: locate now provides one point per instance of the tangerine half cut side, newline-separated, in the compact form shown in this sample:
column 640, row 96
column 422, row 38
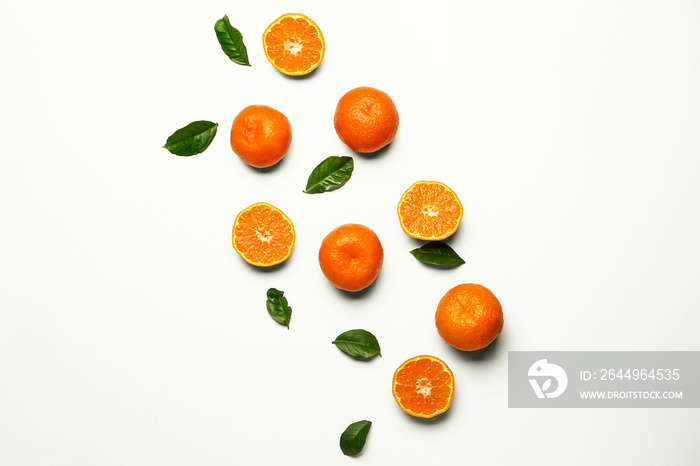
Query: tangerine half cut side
column 294, row 44
column 430, row 210
column 263, row 235
column 423, row 386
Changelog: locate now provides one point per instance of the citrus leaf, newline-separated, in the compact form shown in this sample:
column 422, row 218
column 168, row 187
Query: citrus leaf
column 277, row 306
column 191, row 139
column 330, row 174
column 437, row 252
column 358, row 344
column 353, row 438
column 231, row 41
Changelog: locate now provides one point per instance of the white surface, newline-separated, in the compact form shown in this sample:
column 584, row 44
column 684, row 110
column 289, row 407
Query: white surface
column 132, row 334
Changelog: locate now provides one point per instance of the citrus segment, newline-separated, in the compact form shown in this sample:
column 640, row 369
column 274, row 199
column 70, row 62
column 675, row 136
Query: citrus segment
column 351, row 257
column 469, row 317
column 294, row 44
column 263, row 235
column 429, row 210
column 423, row 386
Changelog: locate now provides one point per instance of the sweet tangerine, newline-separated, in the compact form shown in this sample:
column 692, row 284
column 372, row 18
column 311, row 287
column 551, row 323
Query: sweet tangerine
column 351, row 257
column 469, row 317
column 261, row 135
column 366, row 119
column 423, row 386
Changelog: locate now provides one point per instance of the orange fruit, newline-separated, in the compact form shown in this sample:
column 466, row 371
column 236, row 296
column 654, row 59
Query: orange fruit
column 366, row 119
column 429, row 210
column 469, row 317
column 261, row 135
column 263, row 235
column 423, row 386
column 351, row 257
column 294, row 44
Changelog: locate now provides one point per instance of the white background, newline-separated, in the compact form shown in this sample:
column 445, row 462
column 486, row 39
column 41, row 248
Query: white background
column 132, row 334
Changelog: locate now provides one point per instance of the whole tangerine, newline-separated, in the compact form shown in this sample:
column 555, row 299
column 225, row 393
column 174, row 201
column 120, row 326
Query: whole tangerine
column 366, row 119
column 351, row 257
column 261, row 135
column 469, row 317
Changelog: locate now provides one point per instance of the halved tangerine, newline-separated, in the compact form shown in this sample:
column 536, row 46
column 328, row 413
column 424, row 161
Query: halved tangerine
column 424, row 386
column 294, row 44
column 430, row 210
column 263, row 235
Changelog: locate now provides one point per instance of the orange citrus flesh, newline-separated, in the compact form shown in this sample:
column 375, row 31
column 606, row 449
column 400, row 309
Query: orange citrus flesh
column 263, row 235
column 294, row 44
column 430, row 210
column 423, row 386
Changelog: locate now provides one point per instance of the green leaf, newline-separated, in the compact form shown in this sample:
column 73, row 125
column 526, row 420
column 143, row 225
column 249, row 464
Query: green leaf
column 437, row 252
column 358, row 343
column 231, row 41
column 192, row 139
column 278, row 307
column 353, row 438
column 330, row 174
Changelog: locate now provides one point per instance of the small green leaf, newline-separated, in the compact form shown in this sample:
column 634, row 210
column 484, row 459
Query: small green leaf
column 437, row 252
column 192, row 139
column 277, row 306
column 358, row 343
column 353, row 438
column 330, row 174
column 231, row 41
